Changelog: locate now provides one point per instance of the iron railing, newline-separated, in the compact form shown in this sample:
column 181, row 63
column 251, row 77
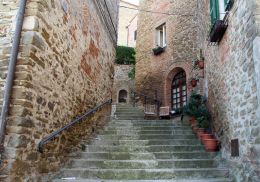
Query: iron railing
column 78, row 119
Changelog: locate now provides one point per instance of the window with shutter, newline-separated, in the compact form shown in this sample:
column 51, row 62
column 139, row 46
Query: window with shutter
column 214, row 11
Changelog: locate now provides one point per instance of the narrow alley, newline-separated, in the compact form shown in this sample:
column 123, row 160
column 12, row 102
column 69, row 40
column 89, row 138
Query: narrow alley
column 130, row 90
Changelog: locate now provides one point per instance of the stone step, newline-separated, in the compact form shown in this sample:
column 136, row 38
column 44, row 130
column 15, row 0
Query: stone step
column 148, row 127
column 182, row 180
column 147, row 142
column 149, row 121
column 142, row 124
column 141, row 132
column 147, row 136
column 144, row 155
column 149, row 174
column 153, row 148
column 142, row 164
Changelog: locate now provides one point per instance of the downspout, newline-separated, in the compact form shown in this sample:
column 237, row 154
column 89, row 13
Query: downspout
column 11, row 70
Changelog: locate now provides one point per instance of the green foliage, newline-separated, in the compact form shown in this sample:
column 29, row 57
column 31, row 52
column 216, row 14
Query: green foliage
column 125, row 55
column 203, row 122
column 194, row 103
column 196, row 107
column 131, row 73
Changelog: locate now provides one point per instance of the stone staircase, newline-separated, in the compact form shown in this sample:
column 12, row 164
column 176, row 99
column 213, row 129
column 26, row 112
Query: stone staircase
column 133, row 149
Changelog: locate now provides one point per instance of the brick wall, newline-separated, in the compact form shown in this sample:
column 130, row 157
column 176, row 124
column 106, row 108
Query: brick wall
column 65, row 67
column 155, row 73
column 232, row 86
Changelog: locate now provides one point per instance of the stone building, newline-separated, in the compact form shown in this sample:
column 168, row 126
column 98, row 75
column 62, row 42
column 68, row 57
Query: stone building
column 174, row 36
column 64, row 67
column 230, row 79
column 127, row 23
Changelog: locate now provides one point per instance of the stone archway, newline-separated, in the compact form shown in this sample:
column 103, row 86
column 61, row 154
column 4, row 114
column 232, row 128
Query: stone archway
column 122, row 96
column 168, row 78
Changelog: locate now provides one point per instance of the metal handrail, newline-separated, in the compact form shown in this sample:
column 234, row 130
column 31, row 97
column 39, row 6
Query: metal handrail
column 78, row 119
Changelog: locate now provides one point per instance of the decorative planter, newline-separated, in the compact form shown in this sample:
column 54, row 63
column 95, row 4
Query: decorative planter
column 192, row 121
column 200, row 64
column 211, row 145
column 194, row 129
column 217, row 31
column 206, row 136
column 158, row 50
column 200, row 131
column 193, row 82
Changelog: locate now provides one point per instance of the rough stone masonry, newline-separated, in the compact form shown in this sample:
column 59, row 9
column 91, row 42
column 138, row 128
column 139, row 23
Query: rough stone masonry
column 64, row 67
column 232, row 73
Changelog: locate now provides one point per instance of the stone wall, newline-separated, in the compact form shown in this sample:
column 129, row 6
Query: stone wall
column 232, row 86
column 155, row 73
column 65, row 67
column 122, row 82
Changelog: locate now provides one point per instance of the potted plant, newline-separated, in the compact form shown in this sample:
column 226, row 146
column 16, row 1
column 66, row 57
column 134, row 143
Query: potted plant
column 158, row 50
column 193, row 81
column 200, row 63
column 203, row 124
column 211, row 145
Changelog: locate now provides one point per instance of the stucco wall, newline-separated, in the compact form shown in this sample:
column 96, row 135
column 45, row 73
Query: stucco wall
column 126, row 16
column 132, row 27
column 65, row 67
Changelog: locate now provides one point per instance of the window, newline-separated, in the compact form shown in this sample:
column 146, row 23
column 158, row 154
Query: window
column 217, row 10
column 135, row 35
column 161, row 35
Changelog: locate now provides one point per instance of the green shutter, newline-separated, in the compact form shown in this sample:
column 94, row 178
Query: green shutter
column 214, row 11
column 226, row 3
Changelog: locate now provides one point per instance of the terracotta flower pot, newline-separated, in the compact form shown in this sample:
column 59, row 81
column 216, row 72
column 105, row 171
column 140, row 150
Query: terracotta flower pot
column 206, row 136
column 200, row 131
column 192, row 120
column 193, row 83
column 211, row 145
column 194, row 129
column 200, row 64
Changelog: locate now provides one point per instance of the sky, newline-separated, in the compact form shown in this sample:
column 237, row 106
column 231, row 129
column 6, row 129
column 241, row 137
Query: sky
column 133, row 1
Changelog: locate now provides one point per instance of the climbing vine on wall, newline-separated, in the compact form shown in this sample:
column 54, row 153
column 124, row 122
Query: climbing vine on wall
column 125, row 55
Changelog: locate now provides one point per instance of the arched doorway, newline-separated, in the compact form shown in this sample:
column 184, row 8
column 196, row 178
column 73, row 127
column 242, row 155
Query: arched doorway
column 122, row 96
column 179, row 90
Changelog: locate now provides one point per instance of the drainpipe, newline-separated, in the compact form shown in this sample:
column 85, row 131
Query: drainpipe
column 11, row 70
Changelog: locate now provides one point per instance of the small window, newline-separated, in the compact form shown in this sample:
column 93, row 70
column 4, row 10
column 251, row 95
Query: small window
column 135, row 35
column 161, row 35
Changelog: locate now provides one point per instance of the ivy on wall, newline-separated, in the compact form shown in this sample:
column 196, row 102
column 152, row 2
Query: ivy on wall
column 126, row 56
